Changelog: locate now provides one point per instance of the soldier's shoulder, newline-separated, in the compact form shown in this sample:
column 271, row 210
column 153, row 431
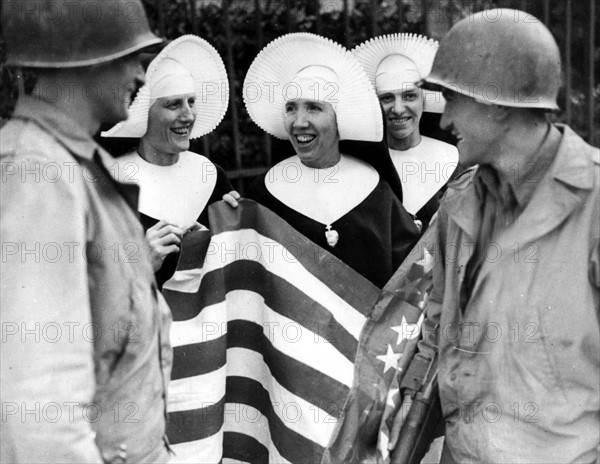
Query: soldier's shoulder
column 22, row 139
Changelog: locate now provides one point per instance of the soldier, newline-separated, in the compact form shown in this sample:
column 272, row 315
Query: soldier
column 85, row 353
column 514, row 308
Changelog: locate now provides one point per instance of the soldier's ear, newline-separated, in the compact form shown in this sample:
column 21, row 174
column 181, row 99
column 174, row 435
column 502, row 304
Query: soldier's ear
column 502, row 113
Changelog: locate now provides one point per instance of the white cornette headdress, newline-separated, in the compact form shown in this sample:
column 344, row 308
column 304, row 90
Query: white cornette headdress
column 303, row 65
column 185, row 60
column 419, row 49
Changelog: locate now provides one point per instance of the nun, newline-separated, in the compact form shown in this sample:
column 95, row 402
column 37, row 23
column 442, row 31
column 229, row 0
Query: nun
column 185, row 97
column 313, row 92
column 394, row 64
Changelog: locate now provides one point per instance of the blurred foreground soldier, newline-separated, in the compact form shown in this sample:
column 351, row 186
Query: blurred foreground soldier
column 85, row 350
column 516, row 282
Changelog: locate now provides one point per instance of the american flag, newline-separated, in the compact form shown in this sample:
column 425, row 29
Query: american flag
column 282, row 353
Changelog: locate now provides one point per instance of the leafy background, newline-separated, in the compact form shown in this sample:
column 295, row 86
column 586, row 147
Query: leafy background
column 238, row 28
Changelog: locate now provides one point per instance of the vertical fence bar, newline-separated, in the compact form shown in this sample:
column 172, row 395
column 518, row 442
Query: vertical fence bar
column 317, row 6
column 193, row 17
column 288, row 16
column 523, row 6
column 424, row 19
column 20, row 81
column 547, row 13
column 568, row 63
column 374, row 26
column 232, row 103
column 590, row 92
column 259, row 44
column 400, row 7
column 346, row 24
column 258, row 25
column 205, row 140
column 161, row 17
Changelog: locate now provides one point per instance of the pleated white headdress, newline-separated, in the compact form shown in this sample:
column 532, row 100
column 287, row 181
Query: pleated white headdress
column 377, row 58
column 303, row 65
column 204, row 67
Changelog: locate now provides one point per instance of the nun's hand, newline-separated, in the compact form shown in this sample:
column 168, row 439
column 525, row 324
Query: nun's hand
column 232, row 198
column 163, row 239
column 196, row 227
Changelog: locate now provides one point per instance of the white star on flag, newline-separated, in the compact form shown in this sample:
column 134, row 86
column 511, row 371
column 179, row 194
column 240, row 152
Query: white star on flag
column 384, row 441
column 407, row 331
column 391, row 395
column 390, row 359
column 427, row 260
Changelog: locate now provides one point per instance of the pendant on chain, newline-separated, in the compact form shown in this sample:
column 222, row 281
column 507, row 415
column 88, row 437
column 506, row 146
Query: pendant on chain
column 332, row 236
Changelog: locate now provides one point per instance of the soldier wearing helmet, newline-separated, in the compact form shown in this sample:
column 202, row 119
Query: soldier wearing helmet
column 513, row 314
column 86, row 358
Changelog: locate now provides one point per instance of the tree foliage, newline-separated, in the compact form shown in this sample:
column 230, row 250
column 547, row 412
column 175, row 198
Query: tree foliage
column 250, row 30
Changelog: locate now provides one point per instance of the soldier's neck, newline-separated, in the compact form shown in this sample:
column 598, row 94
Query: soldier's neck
column 66, row 95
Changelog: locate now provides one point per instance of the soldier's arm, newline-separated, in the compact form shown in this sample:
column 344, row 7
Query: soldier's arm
column 47, row 347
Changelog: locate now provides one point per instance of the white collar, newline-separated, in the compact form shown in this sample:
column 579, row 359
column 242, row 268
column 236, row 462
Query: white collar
column 177, row 193
column 424, row 170
column 324, row 195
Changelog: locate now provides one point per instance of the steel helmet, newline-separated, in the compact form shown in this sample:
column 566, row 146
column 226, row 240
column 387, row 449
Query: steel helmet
column 68, row 34
column 501, row 56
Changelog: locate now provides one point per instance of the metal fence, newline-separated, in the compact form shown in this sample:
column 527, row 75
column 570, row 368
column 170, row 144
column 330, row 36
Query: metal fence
column 432, row 18
column 239, row 29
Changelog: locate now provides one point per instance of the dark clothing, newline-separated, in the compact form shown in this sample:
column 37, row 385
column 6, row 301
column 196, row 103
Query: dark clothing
column 374, row 237
column 425, row 214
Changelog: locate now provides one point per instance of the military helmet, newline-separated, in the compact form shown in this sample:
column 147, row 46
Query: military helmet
column 500, row 56
column 68, row 34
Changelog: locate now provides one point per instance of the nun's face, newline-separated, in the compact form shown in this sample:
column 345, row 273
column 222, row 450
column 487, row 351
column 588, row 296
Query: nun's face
column 170, row 123
column 312, row 128
column 403, row 109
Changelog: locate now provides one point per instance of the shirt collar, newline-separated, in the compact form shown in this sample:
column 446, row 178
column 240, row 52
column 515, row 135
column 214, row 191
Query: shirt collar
column 59, row 124
column 532, row 173
column 515, row 190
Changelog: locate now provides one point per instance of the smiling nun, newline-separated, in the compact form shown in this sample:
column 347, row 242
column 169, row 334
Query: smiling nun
column 394, row 64
column 314, row 93
column 185, row 97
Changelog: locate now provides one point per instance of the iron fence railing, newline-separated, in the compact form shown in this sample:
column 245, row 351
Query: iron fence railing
column 240, row 28
column 551, row 12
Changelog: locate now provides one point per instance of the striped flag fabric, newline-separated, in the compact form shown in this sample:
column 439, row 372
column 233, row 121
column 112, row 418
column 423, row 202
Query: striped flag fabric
column 275, row 346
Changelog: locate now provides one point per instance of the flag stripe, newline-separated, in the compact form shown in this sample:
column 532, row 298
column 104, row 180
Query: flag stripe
column 346, row 282
column 183, row 305
column 292, row 445
column 195, row 424
column 285, row 334
column 197, row 392
column 243, row 447
column 279, row 295
column 210, row 324
column 313, row 421
column 259, row 431
column 276, row 259
column 198, row 358
column 283, row 298
column 265, row 343
column 299, row 378
column 194, row 392
column 207, row 450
